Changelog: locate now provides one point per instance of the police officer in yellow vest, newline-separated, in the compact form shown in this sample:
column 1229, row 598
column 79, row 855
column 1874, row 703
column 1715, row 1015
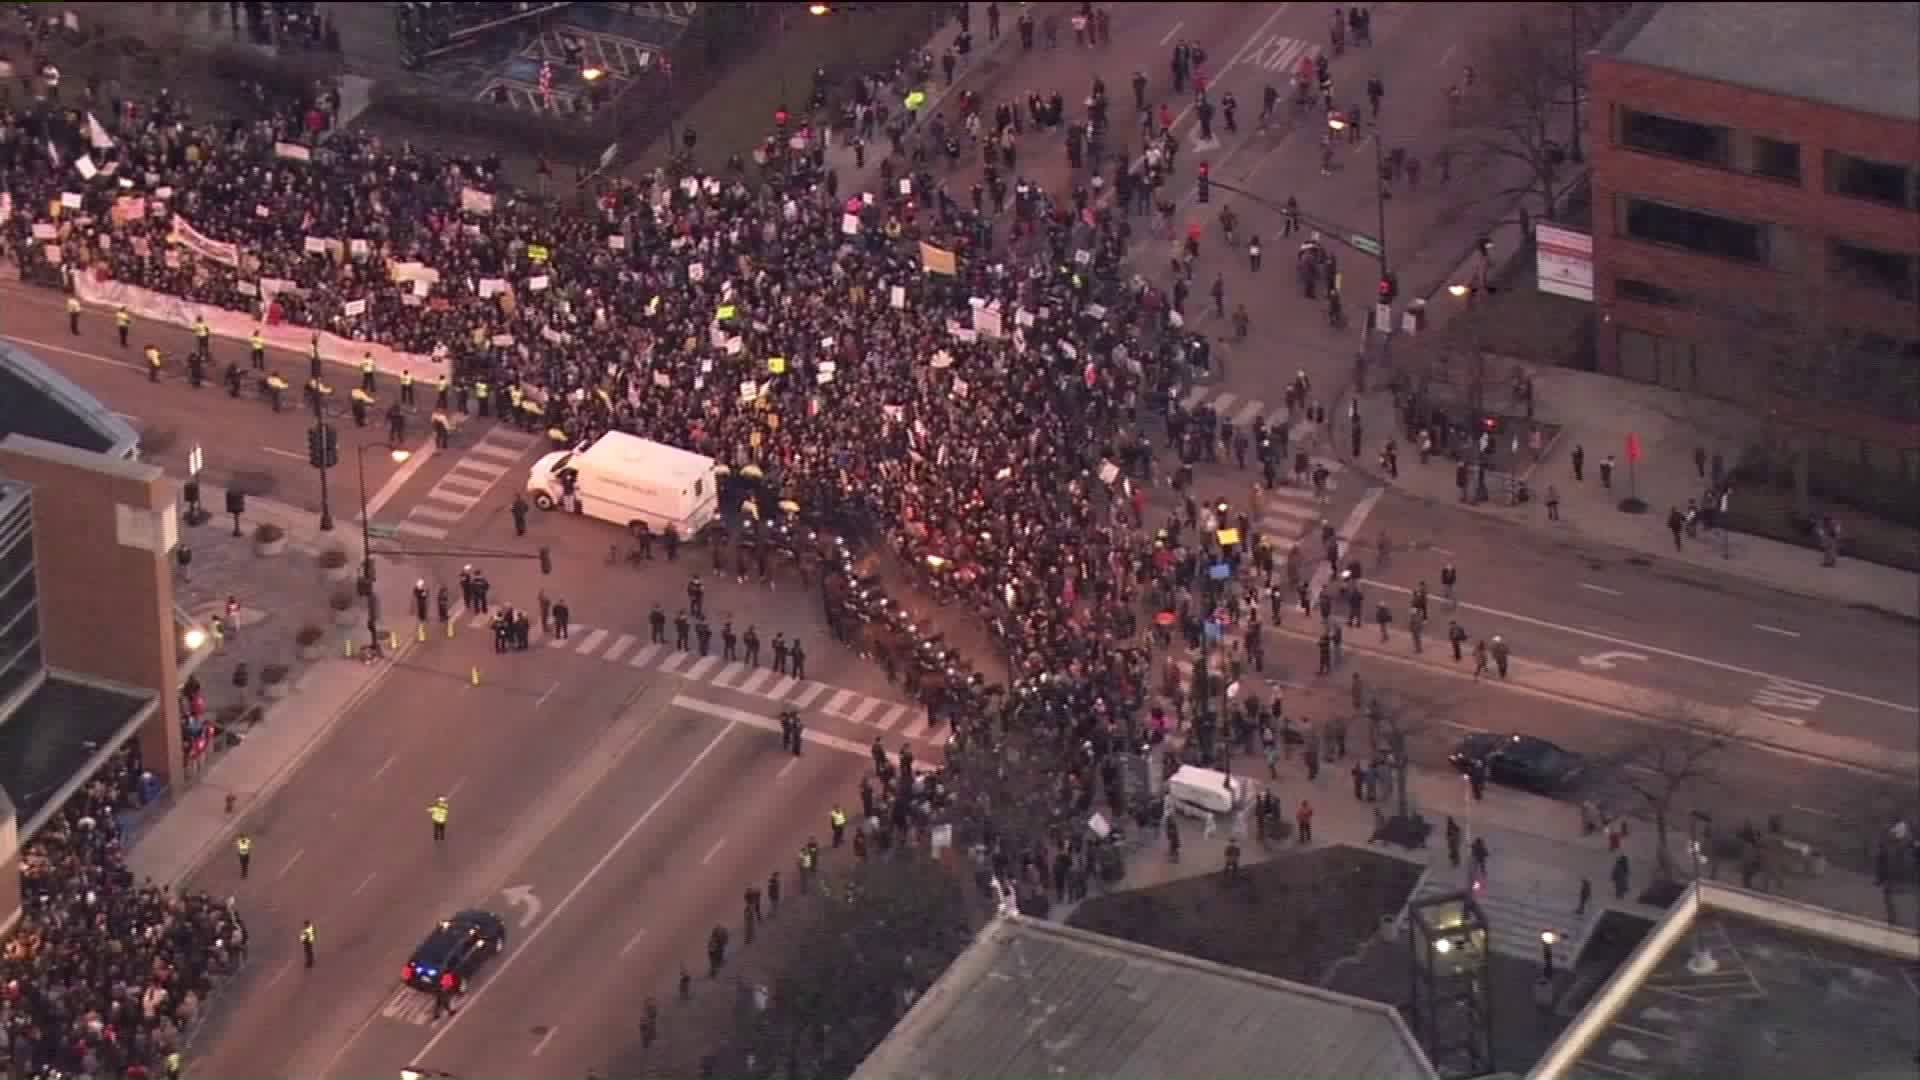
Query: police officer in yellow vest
column 73, row 315
column 202, row 337
column 366, row 372
column 153, row 363
column 437, row 813
column 406, row 389
column 317, row 392
column 442, row 429
column 442, row 390
column 174, row 1065
column 257, row 345
column 558, row 436
column 512, row 415
column 307, row 936
column 361, row 402
column 483, row 394
column 274, row 387
column 122, row 322
column 837, row 821
column 243, row 848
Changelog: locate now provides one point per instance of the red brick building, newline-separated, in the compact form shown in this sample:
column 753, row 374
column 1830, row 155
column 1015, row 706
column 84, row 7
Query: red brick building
column 1756, row 216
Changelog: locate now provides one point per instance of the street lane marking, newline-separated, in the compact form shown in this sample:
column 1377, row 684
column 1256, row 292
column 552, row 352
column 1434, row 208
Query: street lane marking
column 544, row 1040
column 863, row 710
column 807, row 695
column 1447, row 57
column 700, row 667
column 1248, row 414
column 1776, row 630
column 1675, row 654
column 364, row 883
column 785, row 769
column 633, row 942
column 558, row 642
column 768, row 723
column 548, row 694
column 592, row 643
column 398, row 480
column 1258, row 36
column 753, row 682
column 49, row 346
column 620, row 646
column 573, row 894
column 281, row 974
column 645, row 655
column 1601, row 589
column 414, row 528
column 712, row 851
column 291, row 863
column 428, row 510
column 457, row 785
column 837, row 704
column 673, row 662
column 780, row 687
column 276, row 451
column 1168, row 38
column 1830, row 815
column 385, row 765
column 893, row 715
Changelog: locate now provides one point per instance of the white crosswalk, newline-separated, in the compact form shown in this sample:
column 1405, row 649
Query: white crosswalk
column 1243, row 411
column 467, row 482
column 755, row 681
column 1518, row 912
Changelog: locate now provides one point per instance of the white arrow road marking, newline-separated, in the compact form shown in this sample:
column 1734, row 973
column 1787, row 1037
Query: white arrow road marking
column 522, row 896
column 1606, row 661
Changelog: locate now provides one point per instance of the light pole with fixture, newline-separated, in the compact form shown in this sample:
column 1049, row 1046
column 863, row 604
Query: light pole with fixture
column 1547, row 940
column 366, row 539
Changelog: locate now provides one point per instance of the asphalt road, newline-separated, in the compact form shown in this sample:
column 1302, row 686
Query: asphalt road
column 631, row 803
column 1822, row 803
column 240, row 436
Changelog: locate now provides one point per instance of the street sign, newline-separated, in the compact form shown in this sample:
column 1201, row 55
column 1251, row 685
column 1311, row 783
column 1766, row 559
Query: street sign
column 1363, row 242
column 196, row 460
column 1633, row 446
column 383, row 532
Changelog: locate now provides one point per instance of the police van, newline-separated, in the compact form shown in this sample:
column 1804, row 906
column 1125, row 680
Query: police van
column 629, row 481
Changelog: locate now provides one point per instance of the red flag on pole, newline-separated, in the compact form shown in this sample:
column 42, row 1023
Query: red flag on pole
column 1633, row 447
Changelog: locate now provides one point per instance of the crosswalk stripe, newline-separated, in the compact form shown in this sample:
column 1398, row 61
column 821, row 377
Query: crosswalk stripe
column 645, row 655
column 1248, row 414
column 700, row 667
column 893, row 716
column 414, row 528
column 780, row 689
column 863, row 710
column 1193, row 397
column 487, row 470
column 1289, row 512
column 1223, row 402
column 555, row 642
column 837, row 704
column 437, row 513
column 496, row 450
column 619, row 649
column 592, row 644
column 752, row 683
column 807, row 694
column 673, row 662
column 726, row 677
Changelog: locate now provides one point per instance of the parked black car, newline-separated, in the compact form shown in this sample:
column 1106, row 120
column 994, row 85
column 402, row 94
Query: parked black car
column 454, row 950
column 1521, row 761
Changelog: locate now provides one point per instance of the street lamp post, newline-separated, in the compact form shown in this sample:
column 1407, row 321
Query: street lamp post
column 366, row 540
column 1547, row 939
column 1338, row 122
column 318, row 445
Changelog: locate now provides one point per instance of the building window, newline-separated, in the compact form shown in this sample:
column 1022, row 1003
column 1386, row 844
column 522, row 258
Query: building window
column 24, row 630
column 1864, row 267
column 18, row 668
column 1695, row 230
column 1652, row 133
column 1646, row 292
column 16, row 559
column 17, row 597
column 1776, row 160
column 1874, row 181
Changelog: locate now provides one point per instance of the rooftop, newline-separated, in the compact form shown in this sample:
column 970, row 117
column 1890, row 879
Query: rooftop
column 55, row 739
column 1858, row 56
column 37, row 401
column 1735, row 983
column 1035, row 999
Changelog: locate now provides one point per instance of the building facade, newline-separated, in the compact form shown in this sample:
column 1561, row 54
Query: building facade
column 1756, row 181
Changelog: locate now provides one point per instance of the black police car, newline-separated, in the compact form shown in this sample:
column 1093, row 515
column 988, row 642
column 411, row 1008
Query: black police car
column 1521, row 761
column 454, row 951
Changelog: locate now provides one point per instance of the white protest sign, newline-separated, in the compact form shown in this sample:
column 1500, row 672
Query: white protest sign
column 356, row 307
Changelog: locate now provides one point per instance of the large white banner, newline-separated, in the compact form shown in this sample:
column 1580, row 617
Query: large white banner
column 1563, row 262
column 203, row 245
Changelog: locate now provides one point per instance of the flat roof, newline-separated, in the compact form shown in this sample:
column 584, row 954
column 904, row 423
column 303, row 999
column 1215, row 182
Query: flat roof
column 1737, row 983
column 1031, row 998
column 38, row 401
column 1859, row 56
column 55, row 739
column 672, row 460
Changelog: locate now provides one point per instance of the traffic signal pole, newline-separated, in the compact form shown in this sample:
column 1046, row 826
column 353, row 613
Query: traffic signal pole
column 317, row 448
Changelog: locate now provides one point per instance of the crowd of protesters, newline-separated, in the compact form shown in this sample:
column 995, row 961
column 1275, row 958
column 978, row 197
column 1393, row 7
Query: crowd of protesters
column 104, row 976
column 966, row 379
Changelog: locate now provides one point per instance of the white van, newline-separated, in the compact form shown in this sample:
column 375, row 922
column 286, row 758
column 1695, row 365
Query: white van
column 629, row 481
column 1200, row 792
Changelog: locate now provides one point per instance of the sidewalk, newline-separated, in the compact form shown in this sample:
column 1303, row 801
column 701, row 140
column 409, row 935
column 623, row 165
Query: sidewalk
column 1537, row 856
column 279, row 596
column 1598, row 413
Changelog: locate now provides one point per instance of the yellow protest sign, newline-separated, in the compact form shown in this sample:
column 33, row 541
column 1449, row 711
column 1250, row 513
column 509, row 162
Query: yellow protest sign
column 753, row 440
column 537, row 252
column 725, row 312
column 777, row 365
column 653, row 305
column 1228, row 537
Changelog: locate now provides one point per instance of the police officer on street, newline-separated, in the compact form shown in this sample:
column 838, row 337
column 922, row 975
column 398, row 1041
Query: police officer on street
column 519, row 512
column 442, row 429
column 202, row 338
column 681, row 628
column 366, row 372
column 243, row 849
column 154, row 363
column 361, row 401
column 396, row 425
column 73, row 315
column 657, row 623
column 234, row 379
column 307, row 936
column 122, row 322
column 420, row 599
column 406, row 389
column 257, row 350
column 437, row 813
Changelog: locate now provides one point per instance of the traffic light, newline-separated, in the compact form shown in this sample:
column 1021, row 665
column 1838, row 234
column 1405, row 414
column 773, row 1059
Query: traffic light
column 546, row 561
column 1389, row 288
column 780, row 118
column 1206, row 182
column 331, row 441
column 316, row 447
column 236, row 503
column 819, row 9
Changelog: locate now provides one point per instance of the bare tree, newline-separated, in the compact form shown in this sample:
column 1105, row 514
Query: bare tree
column 1514, row 110
column 1669, row 762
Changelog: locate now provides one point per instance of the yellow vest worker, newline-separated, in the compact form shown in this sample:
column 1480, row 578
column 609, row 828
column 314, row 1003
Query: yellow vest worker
column 366, row 365
column 307, row 936
column 558, row 436
column 243, row 848
column 73, row 315
column 201, row 330
column 437, row 813
column 153, row 363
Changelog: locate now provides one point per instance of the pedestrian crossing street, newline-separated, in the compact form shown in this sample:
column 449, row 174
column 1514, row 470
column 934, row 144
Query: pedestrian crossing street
column 497, row 453
column 1287, row 513
column 806, row 695
column 1518, row 911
